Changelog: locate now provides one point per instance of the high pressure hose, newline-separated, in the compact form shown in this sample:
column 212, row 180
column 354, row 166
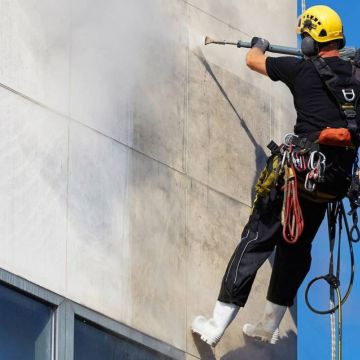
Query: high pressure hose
column 339, row 324
column 333, row 332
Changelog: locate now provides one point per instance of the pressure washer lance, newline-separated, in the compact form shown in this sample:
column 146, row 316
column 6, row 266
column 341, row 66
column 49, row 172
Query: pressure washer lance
column 346, row 53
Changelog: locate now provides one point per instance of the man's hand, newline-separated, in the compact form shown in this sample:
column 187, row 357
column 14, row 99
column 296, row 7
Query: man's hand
column 260, row 43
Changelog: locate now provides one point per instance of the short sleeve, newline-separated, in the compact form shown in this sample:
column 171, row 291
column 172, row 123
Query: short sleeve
column 284, row 68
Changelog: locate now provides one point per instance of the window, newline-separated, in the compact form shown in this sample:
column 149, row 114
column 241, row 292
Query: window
column 37, row 324
column 26, row 327
column 94, row 343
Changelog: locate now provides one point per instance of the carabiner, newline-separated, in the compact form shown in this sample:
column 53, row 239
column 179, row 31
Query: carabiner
column 309, row 182
column 355, row 229
column 316, row 159
column 310, row 163
column 288, row 138
column 284, row 159
column 300, row 161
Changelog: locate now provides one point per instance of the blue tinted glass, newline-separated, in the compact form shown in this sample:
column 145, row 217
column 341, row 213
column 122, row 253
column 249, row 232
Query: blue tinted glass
column 92, row 343
column 25, row 327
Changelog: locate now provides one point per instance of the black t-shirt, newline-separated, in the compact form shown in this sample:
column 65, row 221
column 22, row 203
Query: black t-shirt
column 316, row 108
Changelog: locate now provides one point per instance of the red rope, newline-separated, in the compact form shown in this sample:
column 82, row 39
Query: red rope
column 293, row 223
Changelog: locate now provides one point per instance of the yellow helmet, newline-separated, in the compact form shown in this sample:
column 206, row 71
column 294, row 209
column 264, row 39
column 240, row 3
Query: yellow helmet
column 322, row 23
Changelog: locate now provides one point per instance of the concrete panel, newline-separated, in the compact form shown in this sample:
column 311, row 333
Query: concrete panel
column 35, row 49
column 98, row 255
column 214, row 225
column 33, row 160
column 126, row 236
column 256, row 18
column 129, row 73
column 157, row 233
column 229, row 121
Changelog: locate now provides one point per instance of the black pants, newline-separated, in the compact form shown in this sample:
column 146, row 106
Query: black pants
column 263, row 233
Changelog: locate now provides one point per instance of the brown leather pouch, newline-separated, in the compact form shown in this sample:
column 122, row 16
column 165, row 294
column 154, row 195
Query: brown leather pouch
column 335, row 137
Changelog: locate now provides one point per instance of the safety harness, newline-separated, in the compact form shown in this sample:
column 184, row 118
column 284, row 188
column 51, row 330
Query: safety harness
column 301, row 157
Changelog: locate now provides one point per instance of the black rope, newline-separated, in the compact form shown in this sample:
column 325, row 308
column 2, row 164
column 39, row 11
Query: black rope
column 335, row 212
column 354, row 198
column 354, row 231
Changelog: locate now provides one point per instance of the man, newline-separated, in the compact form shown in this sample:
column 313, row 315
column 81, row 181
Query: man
column 317, row 109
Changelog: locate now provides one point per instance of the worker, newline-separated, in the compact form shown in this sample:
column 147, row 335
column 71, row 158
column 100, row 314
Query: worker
column 319, row 115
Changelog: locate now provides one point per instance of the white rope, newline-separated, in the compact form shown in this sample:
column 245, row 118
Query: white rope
column 333, row 332
column 303, row 6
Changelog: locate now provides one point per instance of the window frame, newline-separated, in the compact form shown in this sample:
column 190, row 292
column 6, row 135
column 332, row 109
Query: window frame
column 65, row 312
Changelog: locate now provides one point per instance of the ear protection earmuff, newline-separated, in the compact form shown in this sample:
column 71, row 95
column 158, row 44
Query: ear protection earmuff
column 342, row 43
column 309, row 46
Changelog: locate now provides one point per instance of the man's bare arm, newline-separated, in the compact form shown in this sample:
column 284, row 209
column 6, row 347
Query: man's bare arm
column 255, row 58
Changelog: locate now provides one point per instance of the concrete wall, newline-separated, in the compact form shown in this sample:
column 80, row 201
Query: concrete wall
column 129, row 152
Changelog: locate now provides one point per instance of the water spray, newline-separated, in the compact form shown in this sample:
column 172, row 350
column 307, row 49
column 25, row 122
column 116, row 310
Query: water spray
column 346, row 53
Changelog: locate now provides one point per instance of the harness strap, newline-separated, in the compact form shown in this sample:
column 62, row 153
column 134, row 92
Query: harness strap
column 345, row 90
column 304, row 144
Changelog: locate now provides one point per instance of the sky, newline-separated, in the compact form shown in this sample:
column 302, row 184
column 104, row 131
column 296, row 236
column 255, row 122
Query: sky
column 314, row 340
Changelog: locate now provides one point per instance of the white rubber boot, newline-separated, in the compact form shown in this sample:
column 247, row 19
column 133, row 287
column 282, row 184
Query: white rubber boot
column 211, row 330
column 267, row 329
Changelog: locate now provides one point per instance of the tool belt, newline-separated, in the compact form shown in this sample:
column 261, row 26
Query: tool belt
column 296, row 169
column 302, row 144
column 333, row 182
column 295, row 156
column 305, row 157
column 310, row 165
column 301, row 152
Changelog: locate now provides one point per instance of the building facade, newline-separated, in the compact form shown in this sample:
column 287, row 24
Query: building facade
column 129, row 153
